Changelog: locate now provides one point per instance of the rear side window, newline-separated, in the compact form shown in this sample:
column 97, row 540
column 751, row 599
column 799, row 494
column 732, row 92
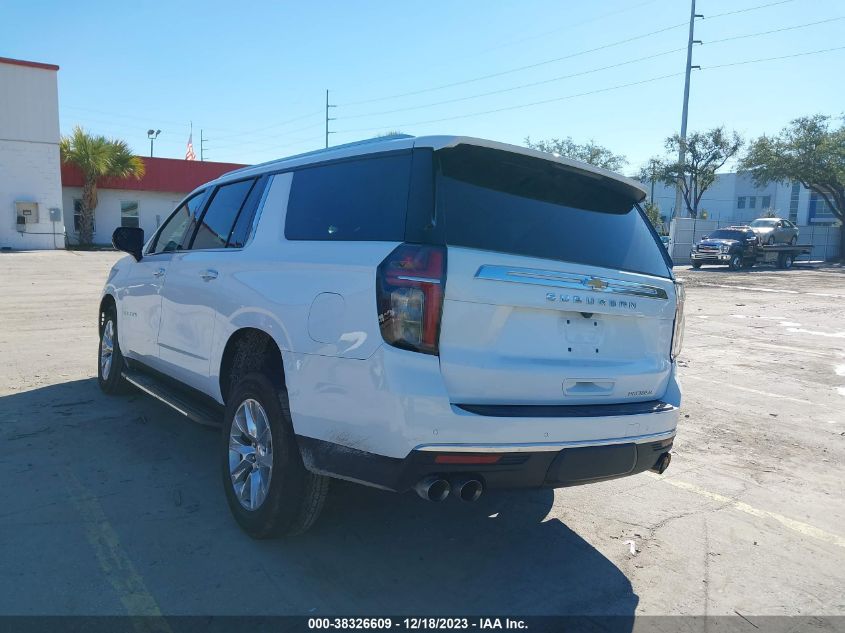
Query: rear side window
column 361, row 199
column 221, row 214
column 501, row 201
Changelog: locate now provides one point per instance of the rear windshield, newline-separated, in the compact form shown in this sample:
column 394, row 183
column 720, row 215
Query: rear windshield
column 500, row 201
column 727, row 235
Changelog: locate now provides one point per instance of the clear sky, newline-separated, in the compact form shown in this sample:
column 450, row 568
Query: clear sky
column 253, row 75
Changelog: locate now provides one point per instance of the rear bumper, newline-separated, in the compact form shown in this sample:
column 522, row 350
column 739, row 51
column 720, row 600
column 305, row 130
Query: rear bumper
column 395, row 403
column 517, row 466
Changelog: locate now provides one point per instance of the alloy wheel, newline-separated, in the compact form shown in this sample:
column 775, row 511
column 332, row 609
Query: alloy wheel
column 107, row 349
column 250, row 454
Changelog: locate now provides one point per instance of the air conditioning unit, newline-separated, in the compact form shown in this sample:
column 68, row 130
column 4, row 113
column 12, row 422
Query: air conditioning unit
column 25, row 213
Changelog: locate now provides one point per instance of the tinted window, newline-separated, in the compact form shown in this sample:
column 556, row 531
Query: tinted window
column 220, row 216
column 362, row 199
column 506, row 202
column 240, row 232
column 179, row 227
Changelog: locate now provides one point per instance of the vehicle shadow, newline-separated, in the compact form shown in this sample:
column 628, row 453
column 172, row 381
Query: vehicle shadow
column 156, row 479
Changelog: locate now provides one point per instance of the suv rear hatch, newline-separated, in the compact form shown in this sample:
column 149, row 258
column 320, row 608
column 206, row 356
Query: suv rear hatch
column 558, row 290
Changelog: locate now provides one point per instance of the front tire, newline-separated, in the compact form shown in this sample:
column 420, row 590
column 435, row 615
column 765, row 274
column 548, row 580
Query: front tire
column 735, row 262
column 110, row 363
column 269, row 491
column 696, row 265
column 793, row 241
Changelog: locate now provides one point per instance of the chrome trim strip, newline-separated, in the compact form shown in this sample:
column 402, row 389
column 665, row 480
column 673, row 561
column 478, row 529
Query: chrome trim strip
column 551, row 278
column 541, row 446
column 427, row 280
column 180, row 351
column 152, row 393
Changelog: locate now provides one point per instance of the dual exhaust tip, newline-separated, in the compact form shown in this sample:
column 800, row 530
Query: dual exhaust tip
column 436, row 488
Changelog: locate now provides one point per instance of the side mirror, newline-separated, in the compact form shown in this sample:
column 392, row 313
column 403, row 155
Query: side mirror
column 704, row 237
column 129, row 239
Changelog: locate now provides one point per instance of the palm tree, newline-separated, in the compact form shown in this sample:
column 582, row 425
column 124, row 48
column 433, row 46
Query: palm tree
column 97, row 157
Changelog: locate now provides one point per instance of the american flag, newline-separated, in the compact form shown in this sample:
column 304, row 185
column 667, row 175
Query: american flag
column 189, row 154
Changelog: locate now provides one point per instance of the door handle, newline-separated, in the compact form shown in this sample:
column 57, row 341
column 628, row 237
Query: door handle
column 159, row 272
column 208, row 275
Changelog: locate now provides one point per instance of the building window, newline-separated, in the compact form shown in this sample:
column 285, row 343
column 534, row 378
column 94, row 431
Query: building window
column 793, row 201
column 129, row 213
column 752, row 202
column 740, row 202
column 766, row 202
column 77, row 217
column 820, row 211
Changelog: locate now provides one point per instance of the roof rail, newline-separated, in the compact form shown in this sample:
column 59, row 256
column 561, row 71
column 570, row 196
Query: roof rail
column 376, row 139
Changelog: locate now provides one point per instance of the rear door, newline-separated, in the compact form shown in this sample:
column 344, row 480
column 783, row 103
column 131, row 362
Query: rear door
column 558, row 290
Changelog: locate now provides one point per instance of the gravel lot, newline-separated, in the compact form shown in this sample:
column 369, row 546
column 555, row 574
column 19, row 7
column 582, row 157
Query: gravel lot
column 114, row 505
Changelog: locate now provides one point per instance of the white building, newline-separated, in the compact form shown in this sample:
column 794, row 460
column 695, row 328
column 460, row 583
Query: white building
column 144, row 203
column 30, row 185
column 734, row 199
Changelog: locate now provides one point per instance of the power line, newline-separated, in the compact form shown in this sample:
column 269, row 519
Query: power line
column 591, row 92
column 270, row 144
column 519, row 87
column 516, row 107
column 584, row 72
column 274, row 125
column 769, row 59
column 786, row 28
column 556, row 59
column 514, row 70
column 746, row 10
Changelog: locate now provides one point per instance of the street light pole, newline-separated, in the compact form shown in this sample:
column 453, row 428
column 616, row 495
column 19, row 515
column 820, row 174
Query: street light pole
column 152, row 135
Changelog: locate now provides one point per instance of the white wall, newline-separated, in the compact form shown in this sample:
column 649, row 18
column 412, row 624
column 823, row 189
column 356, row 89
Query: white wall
column 29, row 154
column 720, row 200
column 153, row 208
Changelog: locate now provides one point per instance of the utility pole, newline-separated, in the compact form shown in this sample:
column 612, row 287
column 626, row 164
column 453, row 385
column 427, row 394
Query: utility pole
column 653, row 174
column 682, row 152
column 203, row 141
column 327, row 117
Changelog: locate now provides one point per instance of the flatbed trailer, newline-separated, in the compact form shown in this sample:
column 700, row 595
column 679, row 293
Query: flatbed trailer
column 781, row 255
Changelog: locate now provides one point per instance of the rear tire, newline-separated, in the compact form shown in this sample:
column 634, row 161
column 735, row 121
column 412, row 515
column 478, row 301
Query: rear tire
column 110, row 363
column 786, row 260
column 269, row 491
column 771, row 240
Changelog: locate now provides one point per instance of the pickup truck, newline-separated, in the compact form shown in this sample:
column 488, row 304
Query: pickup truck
column 739, row 247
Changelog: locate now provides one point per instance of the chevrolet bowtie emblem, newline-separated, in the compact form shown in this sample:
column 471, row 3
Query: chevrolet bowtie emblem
column 596, row 284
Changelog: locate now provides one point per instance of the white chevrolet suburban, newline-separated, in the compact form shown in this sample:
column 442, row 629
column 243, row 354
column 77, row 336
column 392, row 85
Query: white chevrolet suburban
column 443, row 314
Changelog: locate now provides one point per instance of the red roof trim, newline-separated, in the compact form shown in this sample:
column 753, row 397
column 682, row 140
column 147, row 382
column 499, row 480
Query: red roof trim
column 170, row 175
column 23, row 62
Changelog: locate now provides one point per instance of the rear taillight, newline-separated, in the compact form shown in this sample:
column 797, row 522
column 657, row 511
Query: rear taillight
column 409, row 296
column 678, row 331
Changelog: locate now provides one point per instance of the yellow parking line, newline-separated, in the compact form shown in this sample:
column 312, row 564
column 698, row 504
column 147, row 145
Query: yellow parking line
column 796, row 526
column 113, row 560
